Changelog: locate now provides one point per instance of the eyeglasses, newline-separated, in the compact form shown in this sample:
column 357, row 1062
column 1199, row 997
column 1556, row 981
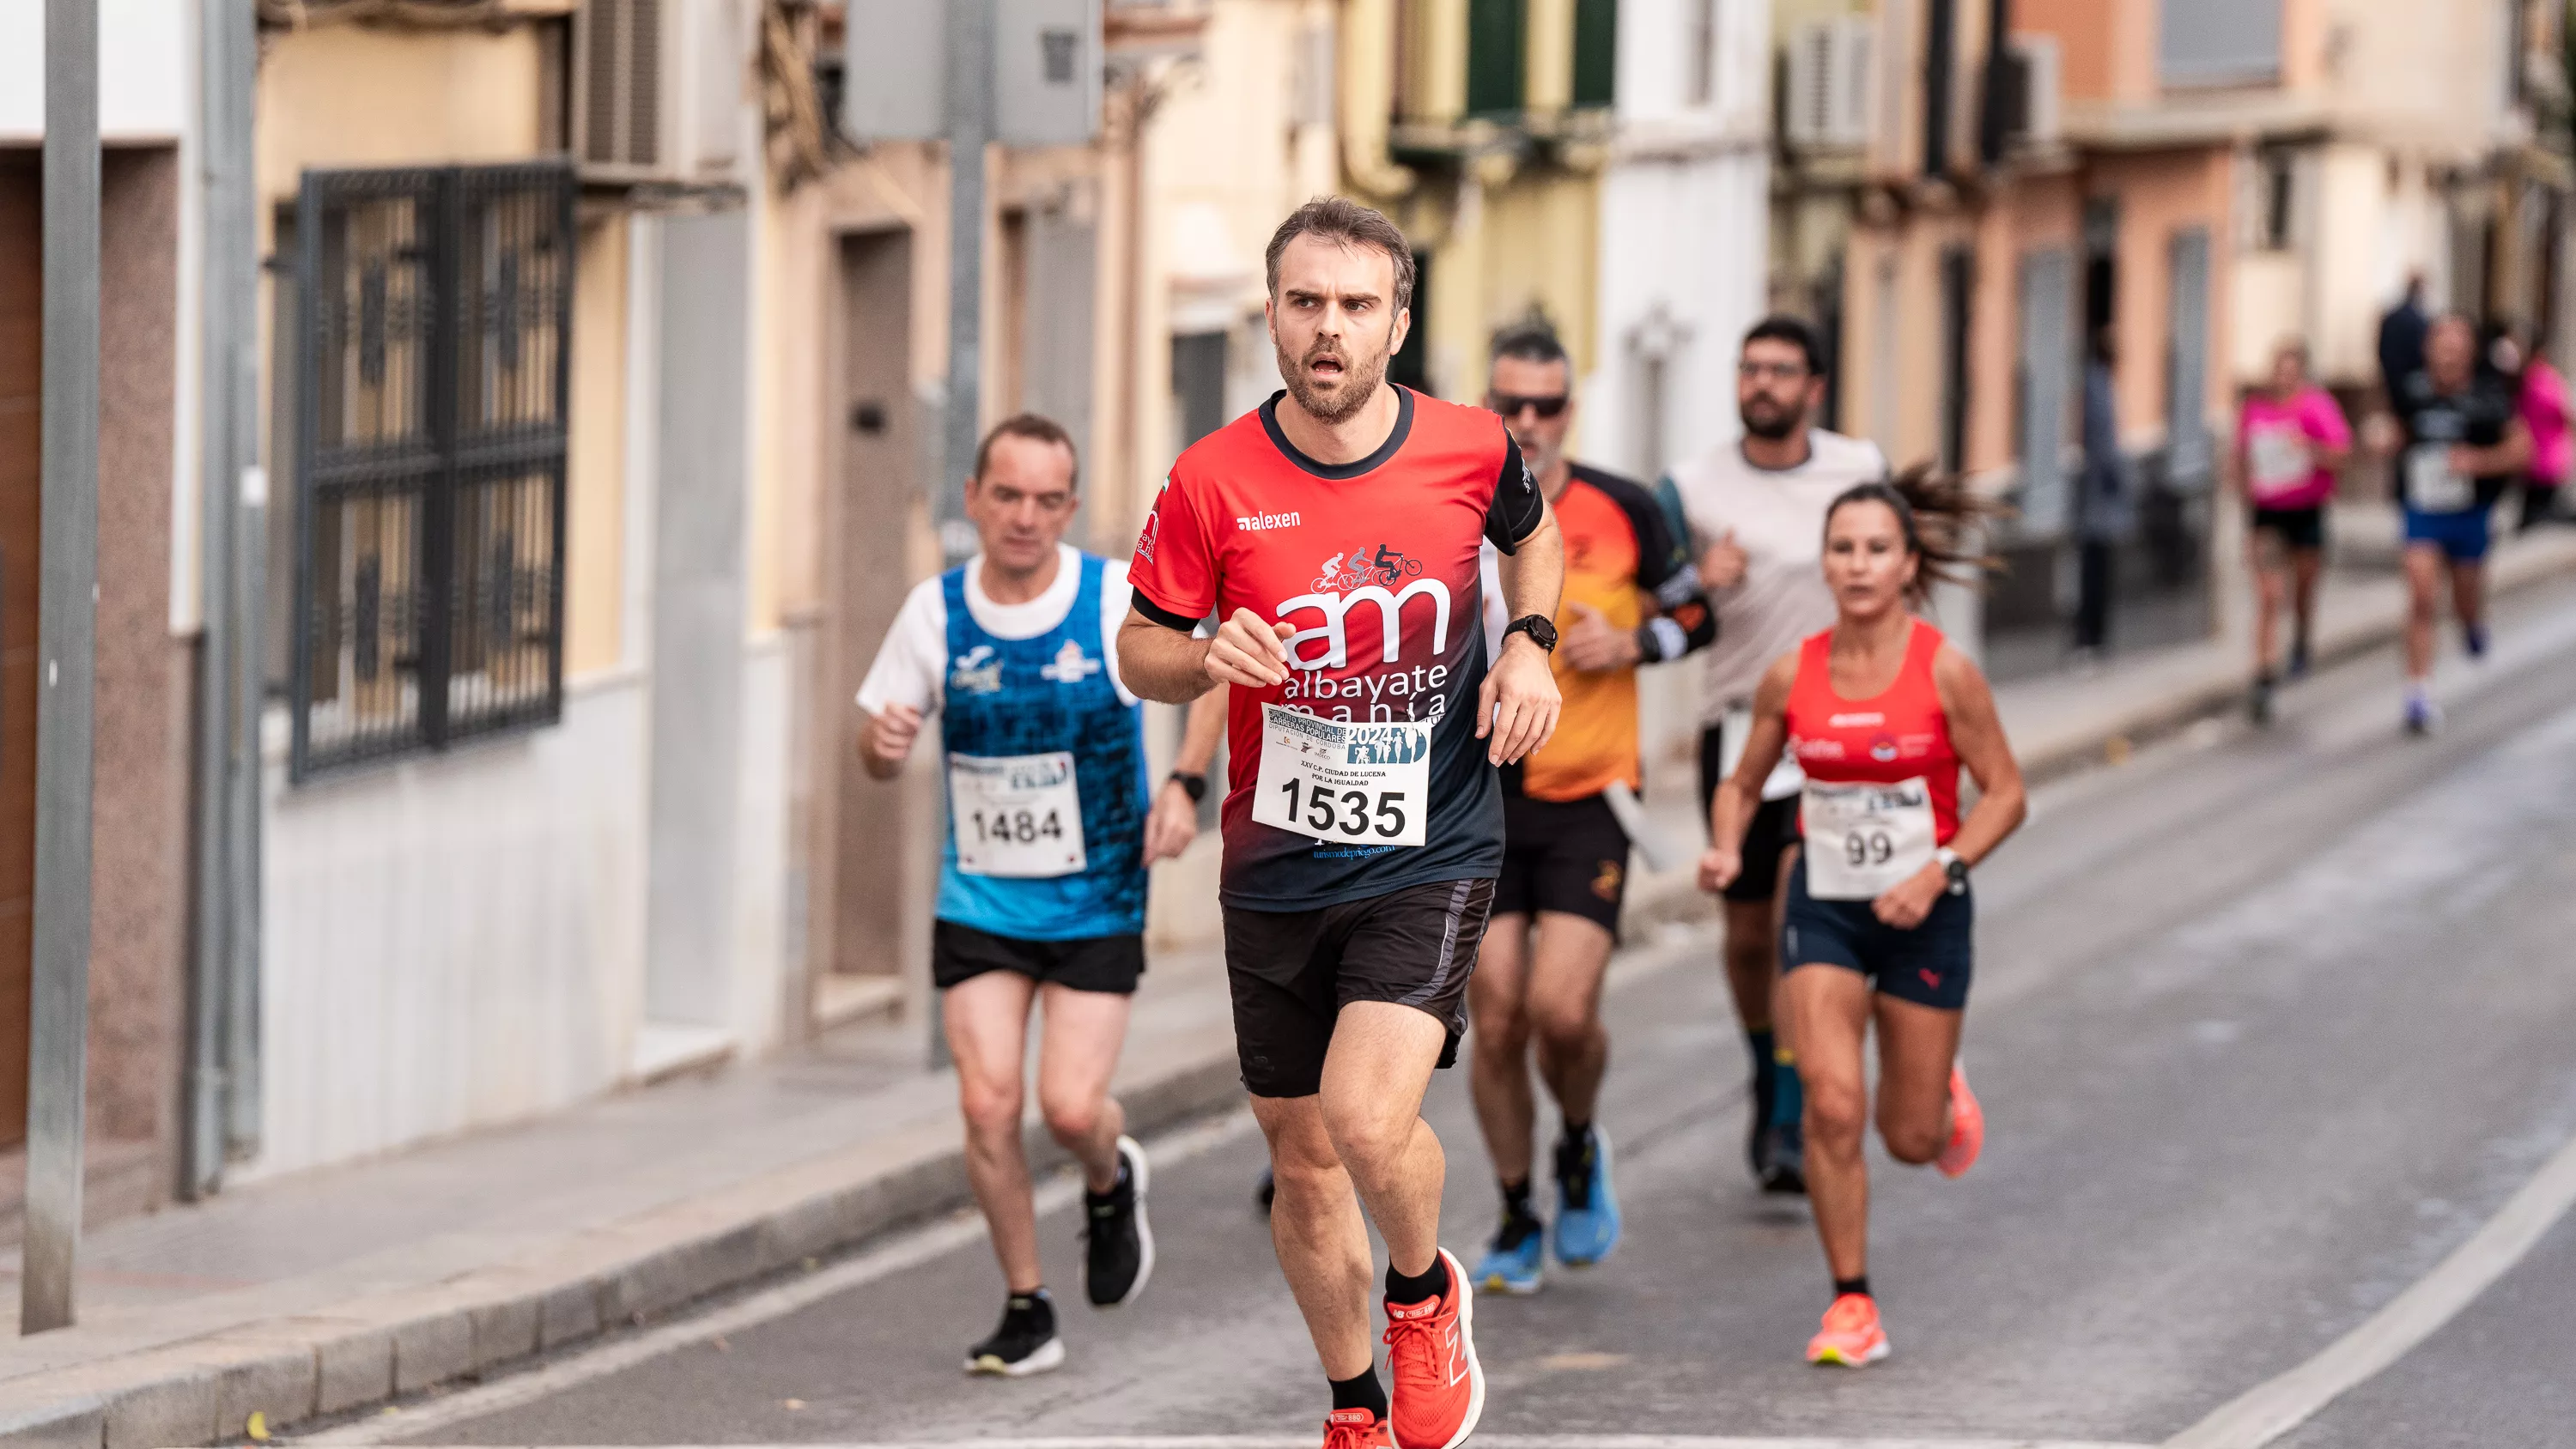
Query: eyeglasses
column 1510, row 406
column 1773, row 371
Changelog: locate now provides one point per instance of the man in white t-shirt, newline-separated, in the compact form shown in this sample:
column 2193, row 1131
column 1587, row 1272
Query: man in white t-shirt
column 1042, row 878
column 1754, row 511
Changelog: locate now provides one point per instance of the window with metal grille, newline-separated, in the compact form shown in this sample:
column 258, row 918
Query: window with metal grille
column 432, row 364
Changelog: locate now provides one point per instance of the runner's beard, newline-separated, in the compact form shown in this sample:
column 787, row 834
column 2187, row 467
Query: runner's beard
column 1768, row 423
column 1358, row 384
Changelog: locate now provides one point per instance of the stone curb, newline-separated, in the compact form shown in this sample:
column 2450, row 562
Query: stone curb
column 401, row 1342
column 383, row 1346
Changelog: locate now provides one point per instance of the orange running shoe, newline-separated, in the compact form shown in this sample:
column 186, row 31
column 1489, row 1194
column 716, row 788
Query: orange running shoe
column 1851, row 1335
column 1438, row 1392
column 1967, row 1127
column 1357, row 1429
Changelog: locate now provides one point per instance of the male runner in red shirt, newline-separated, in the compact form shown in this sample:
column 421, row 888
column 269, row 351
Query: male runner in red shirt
column 1335, row 532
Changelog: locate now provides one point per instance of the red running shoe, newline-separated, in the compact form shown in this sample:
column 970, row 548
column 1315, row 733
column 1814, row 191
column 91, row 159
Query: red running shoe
column 1356, row 1429
column 1439, row 1388
column 1967, row 1127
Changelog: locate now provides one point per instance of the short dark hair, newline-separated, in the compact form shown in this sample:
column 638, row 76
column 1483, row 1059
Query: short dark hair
column 1781, row 327
column 1340, row 219
column 1531, row 341
column 1036, row 428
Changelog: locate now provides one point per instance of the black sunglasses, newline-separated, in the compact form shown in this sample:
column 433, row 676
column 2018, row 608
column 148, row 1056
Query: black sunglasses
column 1509, row 406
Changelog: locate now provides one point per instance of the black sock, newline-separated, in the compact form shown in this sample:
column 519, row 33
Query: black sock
column 1859, row 1285
column 1433, row 1282
column 1516, row 1201
column 1037, row 1306
column 1760, row 1044
column 1363, row 1392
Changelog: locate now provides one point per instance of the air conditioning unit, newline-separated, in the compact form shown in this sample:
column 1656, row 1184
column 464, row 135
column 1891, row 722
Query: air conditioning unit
column 2041, row 71
column 1827, row 103
column 657, row 88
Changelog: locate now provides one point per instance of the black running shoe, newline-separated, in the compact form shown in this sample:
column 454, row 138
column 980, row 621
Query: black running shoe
column 2258, row 703
column 1784, row 1168
column 1118, row 1243
column 1025, row 1343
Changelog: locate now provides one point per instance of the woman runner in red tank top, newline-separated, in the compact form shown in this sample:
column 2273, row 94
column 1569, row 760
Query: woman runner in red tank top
column 1881, row 713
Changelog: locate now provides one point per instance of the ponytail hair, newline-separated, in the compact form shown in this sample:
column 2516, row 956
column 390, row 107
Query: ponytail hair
column 1941, row 517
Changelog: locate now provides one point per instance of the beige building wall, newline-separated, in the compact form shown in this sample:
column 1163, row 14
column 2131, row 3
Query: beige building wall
column 595, row 487
column 2162, row 194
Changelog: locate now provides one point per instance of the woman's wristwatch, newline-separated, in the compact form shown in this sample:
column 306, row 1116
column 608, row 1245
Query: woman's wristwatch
column 1955, row 867
column 1195, row 785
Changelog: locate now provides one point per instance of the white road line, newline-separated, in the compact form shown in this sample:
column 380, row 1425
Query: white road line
column 1484, row 1441
column 2278, row 1405
column 616, row 1355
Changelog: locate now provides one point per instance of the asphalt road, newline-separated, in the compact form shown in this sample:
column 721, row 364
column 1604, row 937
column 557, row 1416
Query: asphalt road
column 2266, row 1025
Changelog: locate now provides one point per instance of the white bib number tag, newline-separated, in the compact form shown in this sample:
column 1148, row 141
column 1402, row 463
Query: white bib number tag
column 2276, row 462
column 1360, row 784
column 2433, row 485
column 1864, row 839
column 1018, row 816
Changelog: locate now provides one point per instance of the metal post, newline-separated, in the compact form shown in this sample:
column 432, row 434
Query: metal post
column 58, row 1031
column 970, row 129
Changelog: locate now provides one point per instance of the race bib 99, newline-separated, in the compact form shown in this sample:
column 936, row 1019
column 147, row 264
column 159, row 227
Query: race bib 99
column 1863, row 839
column 1359, row 784
column 1019, row 815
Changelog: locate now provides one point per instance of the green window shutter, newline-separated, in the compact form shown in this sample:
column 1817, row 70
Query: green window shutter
column 1497, row 52
column 1596, row 51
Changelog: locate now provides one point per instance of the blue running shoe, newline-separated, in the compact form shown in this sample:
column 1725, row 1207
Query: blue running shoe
column 1587, row 1207
column 1512, row 1264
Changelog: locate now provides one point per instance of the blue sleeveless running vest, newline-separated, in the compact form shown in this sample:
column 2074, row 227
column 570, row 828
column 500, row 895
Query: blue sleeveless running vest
column 1005, row 697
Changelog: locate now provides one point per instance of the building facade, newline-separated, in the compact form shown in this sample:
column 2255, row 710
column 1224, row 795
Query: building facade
column 146, row 613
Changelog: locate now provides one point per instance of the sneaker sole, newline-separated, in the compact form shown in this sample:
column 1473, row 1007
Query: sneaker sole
column 1871, row 1355
column 1510, row 1287
column 1141, row 1173
column 1048, row 1358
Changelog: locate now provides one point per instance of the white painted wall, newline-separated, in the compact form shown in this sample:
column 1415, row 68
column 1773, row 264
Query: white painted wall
column 144, row 74
column 453, row 942
column 1684, row 238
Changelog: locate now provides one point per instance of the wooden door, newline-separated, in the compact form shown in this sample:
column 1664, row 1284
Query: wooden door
column 21, row 351
column 861, row 878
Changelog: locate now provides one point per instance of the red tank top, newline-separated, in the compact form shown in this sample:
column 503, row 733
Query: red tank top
column 1896, row 737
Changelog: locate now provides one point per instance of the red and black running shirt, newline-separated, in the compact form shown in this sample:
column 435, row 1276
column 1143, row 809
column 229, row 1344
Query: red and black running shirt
column 1374, row 563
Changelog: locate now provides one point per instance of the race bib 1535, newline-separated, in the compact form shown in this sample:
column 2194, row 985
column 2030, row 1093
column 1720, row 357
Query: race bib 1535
column 1360, row 784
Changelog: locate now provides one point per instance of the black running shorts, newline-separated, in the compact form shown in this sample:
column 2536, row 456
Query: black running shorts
column 1292, row 972
column 1562, row 855
column 2298, row 528
column 1767, row 837
column 1928, row 965
column 1093, row 963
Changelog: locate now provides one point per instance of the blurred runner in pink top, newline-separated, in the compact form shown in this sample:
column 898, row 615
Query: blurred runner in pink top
column 2291, row 437
column 2543, row 405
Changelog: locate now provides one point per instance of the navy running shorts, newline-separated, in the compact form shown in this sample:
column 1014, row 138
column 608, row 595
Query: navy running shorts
column 1928, row 965
column 2463, row 536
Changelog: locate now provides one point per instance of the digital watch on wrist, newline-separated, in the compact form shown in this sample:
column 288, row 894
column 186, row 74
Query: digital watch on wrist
column 1542, row 632
column 1194, row 785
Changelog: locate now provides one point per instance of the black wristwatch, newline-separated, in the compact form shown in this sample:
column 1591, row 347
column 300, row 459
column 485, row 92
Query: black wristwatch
column 1955, row 868
column 1195, row 785
column 1537, row 626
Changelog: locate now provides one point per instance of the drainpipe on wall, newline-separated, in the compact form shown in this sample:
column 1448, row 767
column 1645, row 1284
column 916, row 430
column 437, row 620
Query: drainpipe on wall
column 222, row 1102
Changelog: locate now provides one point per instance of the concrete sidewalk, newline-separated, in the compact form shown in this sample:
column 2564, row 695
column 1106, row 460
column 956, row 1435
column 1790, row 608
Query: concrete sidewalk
column 341, row 1288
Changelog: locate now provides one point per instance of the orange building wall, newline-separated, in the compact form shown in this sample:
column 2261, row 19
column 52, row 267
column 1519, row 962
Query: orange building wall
column 2162, row 193
column 2106, row 48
